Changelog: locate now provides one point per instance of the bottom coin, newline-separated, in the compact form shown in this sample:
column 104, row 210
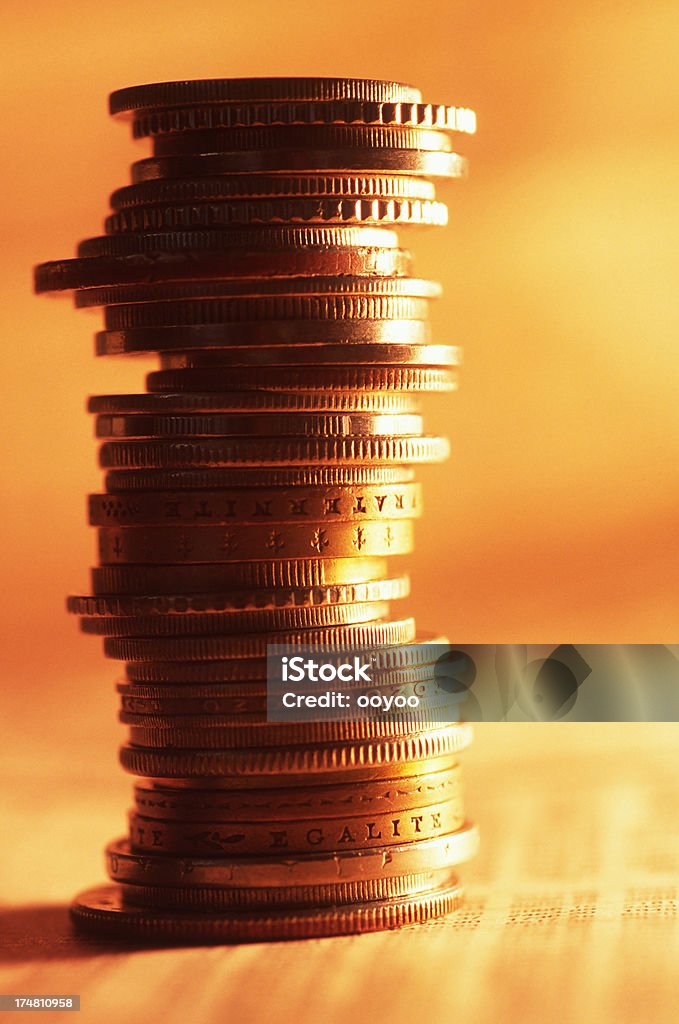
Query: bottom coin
column 103, row 912
column 218, row 899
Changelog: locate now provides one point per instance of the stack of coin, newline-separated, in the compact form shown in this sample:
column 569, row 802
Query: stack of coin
column 256, row 495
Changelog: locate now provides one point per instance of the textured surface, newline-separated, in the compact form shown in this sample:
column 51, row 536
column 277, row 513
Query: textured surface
column 572, row 908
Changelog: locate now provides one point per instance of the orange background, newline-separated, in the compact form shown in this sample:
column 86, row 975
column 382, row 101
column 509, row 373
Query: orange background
column 555, row 520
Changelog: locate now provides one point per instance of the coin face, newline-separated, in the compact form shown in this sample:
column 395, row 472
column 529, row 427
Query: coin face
column 257, row 494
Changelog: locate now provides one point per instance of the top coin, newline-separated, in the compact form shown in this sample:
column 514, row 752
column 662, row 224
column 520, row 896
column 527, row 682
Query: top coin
column 228, row 90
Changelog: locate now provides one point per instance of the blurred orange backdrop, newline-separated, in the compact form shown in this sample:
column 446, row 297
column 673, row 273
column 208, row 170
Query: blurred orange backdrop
column 556, row 518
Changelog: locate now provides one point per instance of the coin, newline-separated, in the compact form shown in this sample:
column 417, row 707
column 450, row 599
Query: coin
column 346, row 342
column 183, row 605
column 237, row 308
column 288, row 287
column 214, row 648
column 310, row 835
column 235, row 621
column 189, row 579
column 211, row 733
column 349, row 378
column 236, row 239
column 208, row 898
column 378, row 403
column 303, row 139
column 382, row 796
column 257, row 186
column 271, row 504
column 243, row 114
column 228, row 90
column 348, row 865
column 155, row 266
column 381, row 161
column 102, row 911
column 369, row 756
column 270, row 451
column 251, row 541
column 271, row 211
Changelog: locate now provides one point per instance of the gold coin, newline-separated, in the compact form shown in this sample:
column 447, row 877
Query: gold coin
column 237, row 115
column 311, row 378
column 148, row 268
column 348, row 865
column 370, row 160
column 289, row 287
column 217, row 899
column 382, row 796
column 245, row 541
column 203, row 91
column 233, row 622
column 180, row 605
column 162, row 579
column 210, row 732
column 187, row 404
column 215, row 648
column 236, row 240
column 374, row 756
column 238, row 308
column 103, row 912
column 268, row 424
column 270, row 451
column 294, row 210
column 283, row 838
column 344, row 339
column 307, row 140
column 272, row 186
column 322, row 503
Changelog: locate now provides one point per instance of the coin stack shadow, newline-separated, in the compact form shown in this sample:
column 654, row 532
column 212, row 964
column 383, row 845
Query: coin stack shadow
column 254, row 495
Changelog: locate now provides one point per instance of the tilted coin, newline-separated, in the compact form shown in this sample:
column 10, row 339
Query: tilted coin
column 104, row 912
column 260, row 287
column 183, row 605
column 281, row 237
column 287, row 335
column 295, row 210
column 245, row 541
column 445, row 851
column 266, row 504
column 235, row 621
column 154, row 266
column 233, row 90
